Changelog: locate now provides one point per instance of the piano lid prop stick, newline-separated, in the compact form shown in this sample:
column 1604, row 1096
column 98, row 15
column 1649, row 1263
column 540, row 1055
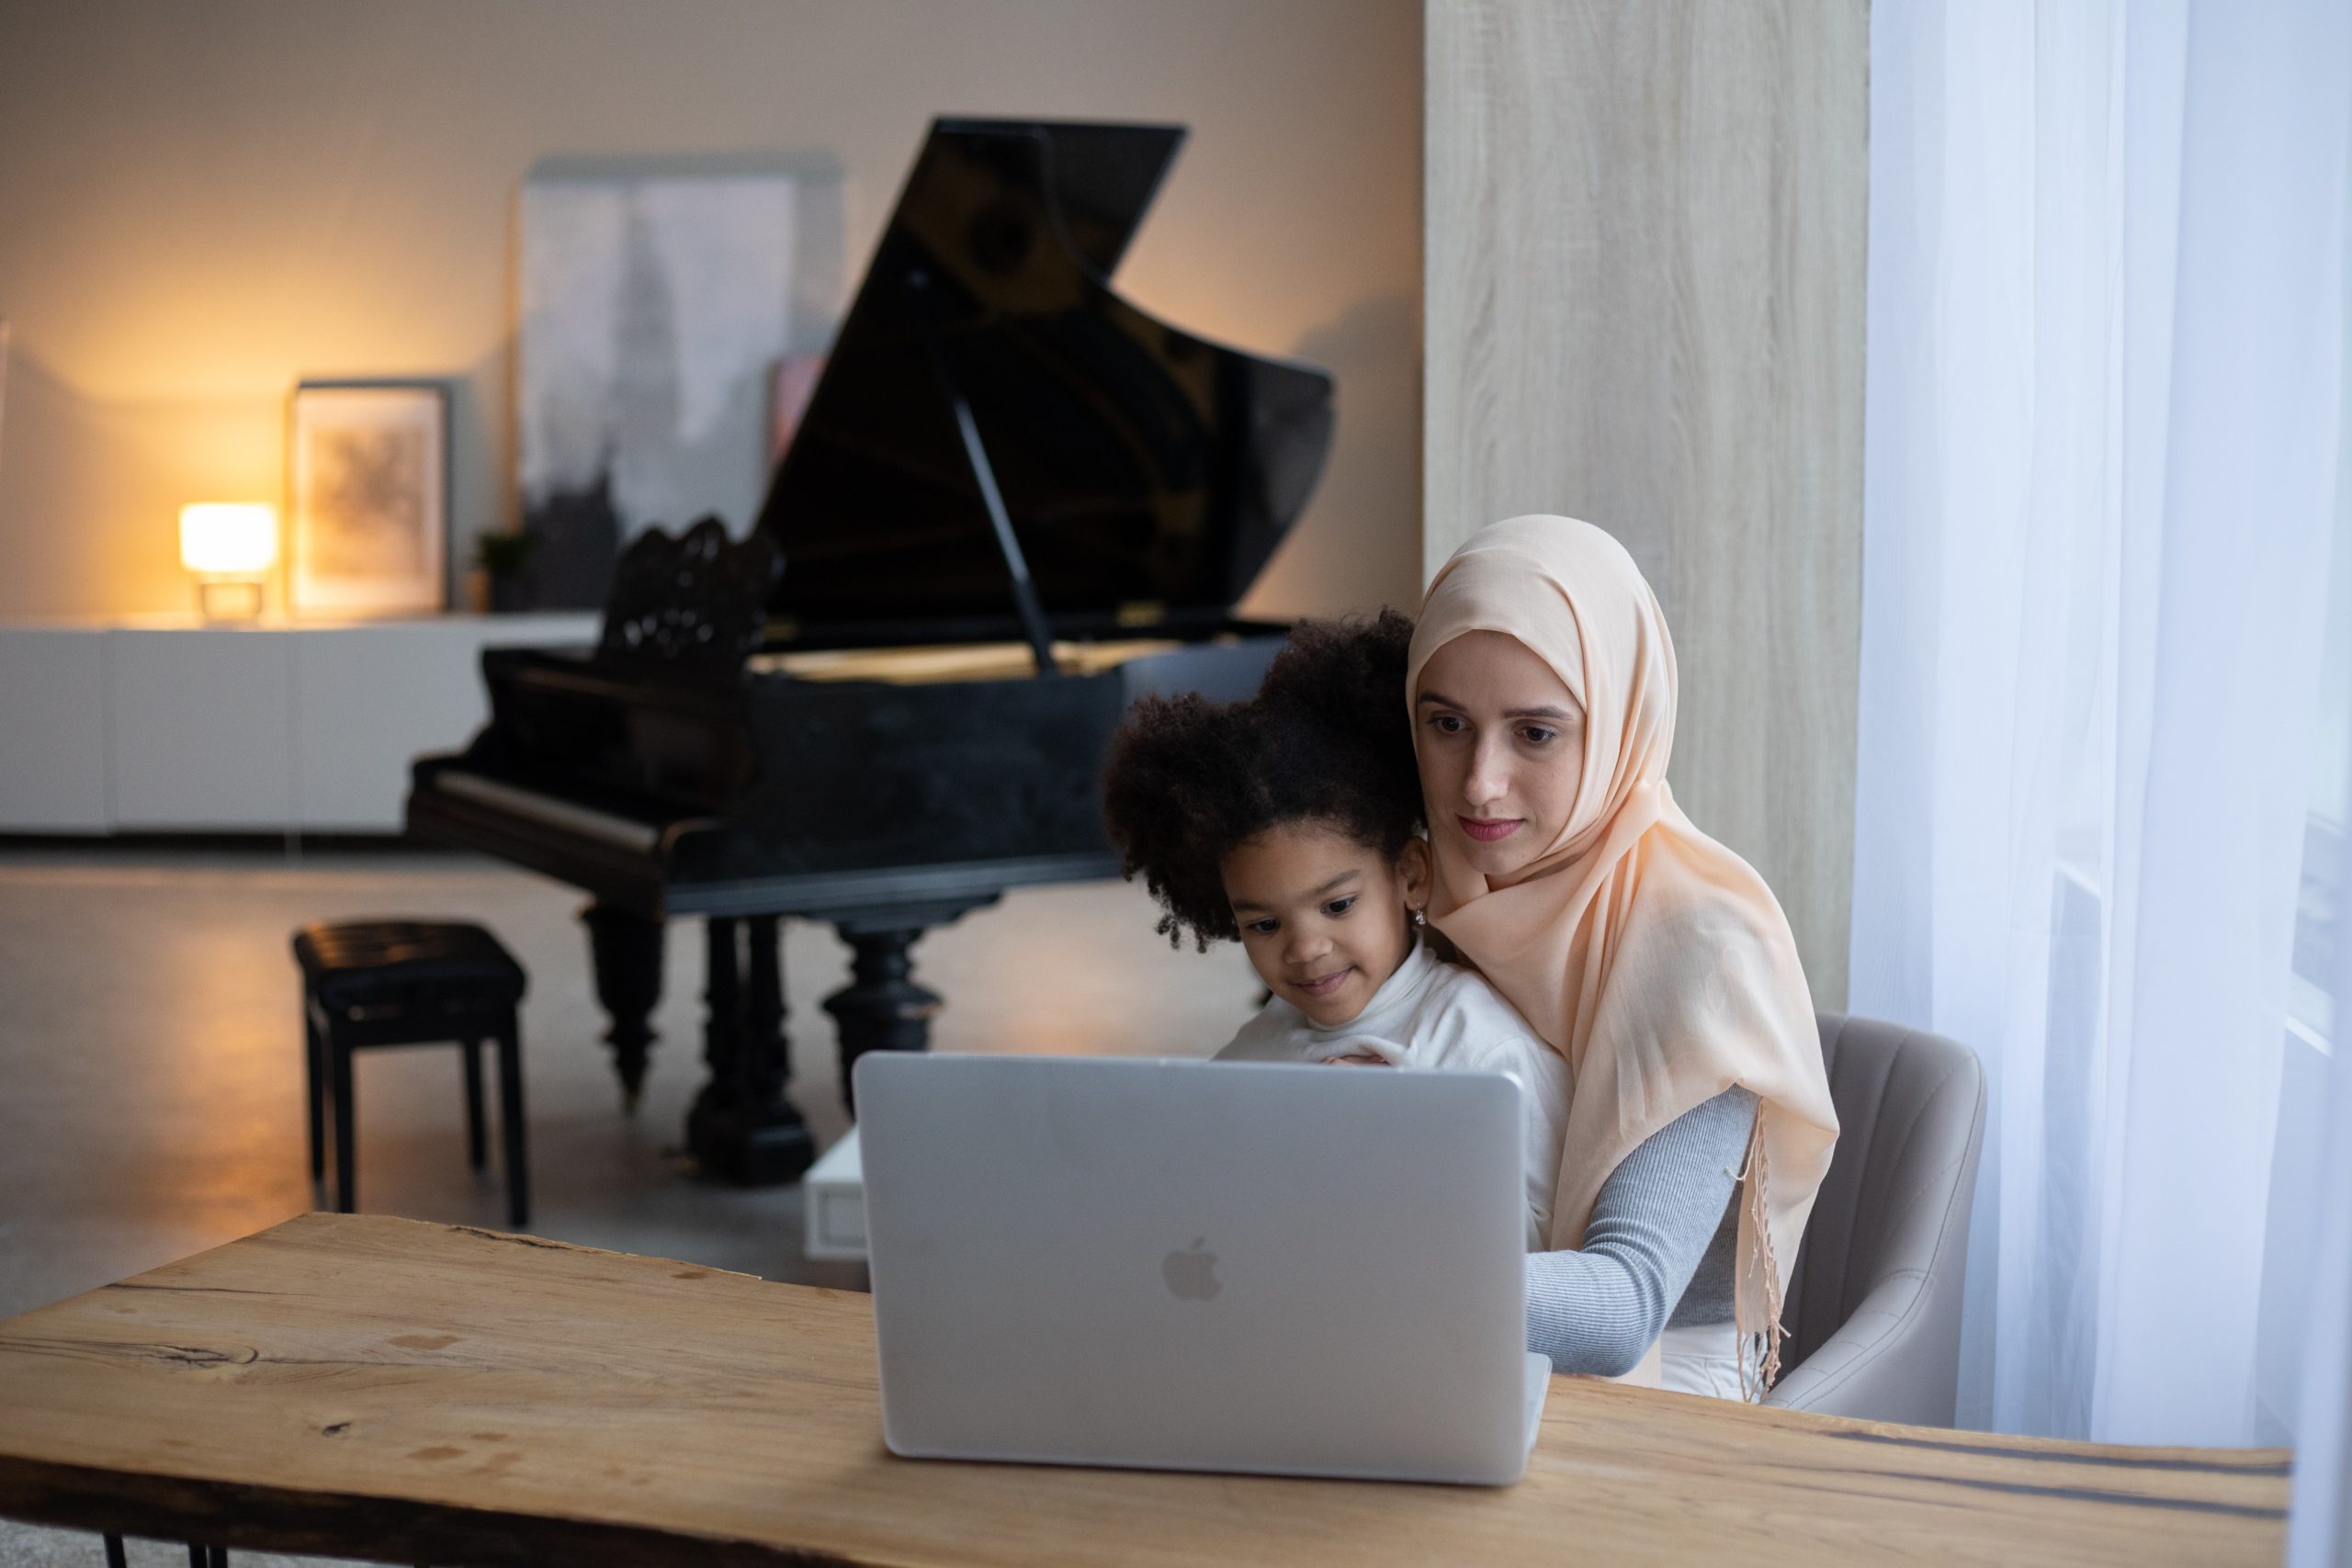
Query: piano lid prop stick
column 1016, row 565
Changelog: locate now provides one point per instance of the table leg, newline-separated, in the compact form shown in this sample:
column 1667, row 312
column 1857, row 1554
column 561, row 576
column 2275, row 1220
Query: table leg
column 314, row 1080
column 511, row 1133
column 115, row 1558
column 477, row 1144
column 346, row 1156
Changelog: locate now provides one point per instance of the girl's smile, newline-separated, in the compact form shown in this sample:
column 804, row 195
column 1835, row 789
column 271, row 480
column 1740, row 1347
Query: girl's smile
column 1323, row 985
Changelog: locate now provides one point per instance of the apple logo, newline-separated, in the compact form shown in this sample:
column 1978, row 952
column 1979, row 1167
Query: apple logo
column 1191, row 1275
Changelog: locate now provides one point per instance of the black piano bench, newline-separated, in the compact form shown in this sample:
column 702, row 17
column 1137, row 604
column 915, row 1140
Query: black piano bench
column 410, row 983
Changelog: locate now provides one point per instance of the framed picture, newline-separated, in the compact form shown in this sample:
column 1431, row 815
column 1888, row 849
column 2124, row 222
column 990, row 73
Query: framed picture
column 367, row 497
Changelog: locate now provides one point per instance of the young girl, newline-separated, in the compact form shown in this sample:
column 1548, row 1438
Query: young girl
column 1291, row 822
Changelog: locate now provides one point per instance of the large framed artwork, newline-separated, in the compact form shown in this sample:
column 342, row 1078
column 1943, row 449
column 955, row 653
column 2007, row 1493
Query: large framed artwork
column 673, row 311
column 367, row 497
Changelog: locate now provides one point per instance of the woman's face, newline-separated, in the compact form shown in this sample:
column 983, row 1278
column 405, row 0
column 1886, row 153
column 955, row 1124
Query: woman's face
column 1501, row 746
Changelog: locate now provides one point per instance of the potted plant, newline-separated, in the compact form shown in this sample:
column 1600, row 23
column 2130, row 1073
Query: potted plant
column 503, row 559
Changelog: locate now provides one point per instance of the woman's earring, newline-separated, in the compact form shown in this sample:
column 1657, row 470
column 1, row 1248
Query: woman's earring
column 1420, row 918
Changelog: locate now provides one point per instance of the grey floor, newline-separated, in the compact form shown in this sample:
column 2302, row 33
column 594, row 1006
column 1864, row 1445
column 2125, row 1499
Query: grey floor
column 150, row 1082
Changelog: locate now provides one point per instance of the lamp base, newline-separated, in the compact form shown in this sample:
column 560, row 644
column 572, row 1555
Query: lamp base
column 227, row 599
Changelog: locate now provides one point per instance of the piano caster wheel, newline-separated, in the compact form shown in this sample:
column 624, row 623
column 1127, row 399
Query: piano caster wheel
column 748, row 1145
column 741, row 1129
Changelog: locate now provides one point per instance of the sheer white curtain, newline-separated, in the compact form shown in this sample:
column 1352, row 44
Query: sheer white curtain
column 2320, row 1533
column 2105, row 375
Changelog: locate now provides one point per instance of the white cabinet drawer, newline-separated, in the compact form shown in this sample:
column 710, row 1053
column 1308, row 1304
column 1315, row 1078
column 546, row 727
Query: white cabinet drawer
column 200, row 730
column 53, row 730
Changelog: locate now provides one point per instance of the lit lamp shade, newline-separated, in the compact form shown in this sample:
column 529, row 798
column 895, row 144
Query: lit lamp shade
column 227, row 539
column 229, row 548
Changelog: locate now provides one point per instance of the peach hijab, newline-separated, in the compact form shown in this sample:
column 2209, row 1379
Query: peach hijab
column 1650, row 956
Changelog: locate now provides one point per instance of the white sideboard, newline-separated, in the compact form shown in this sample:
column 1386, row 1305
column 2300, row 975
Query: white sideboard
column 155, row 725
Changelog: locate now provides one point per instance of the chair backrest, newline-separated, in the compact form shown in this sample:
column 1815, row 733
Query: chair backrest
column 1872, row 1313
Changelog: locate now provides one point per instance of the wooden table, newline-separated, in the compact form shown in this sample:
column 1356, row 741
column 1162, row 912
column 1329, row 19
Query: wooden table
column 416, row 1392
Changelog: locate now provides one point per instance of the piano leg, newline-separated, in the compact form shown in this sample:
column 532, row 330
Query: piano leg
column 741, row 1129
column 625, row 948
column 881, row 1008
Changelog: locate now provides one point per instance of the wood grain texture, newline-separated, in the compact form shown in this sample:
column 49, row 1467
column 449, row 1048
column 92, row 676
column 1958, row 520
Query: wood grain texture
column 1642, row 255
column 420, row 1392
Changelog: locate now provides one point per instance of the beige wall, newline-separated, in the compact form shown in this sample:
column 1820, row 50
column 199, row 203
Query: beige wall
column 201, row 203
column 1645, row 309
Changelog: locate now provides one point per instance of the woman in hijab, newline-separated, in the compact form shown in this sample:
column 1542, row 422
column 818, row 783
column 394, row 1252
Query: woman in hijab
column 1656, row 961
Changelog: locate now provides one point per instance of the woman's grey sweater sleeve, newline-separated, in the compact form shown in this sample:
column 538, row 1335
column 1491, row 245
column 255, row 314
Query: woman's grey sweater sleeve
column 1599, row 1309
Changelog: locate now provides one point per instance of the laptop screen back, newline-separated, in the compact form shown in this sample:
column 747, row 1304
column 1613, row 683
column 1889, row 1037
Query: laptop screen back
column 1188, row 1265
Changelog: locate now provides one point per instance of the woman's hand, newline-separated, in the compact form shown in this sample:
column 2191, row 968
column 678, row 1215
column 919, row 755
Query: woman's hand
column 1357, row 1059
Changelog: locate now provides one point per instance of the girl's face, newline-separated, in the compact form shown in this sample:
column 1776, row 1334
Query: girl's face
column 1325, row 920
column 1501, row 745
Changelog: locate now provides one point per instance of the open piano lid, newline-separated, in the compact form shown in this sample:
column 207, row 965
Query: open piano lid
column 1139, row 465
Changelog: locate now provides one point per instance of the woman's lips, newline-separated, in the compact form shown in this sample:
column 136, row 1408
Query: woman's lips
column 1323, row 985
column 1485, row 829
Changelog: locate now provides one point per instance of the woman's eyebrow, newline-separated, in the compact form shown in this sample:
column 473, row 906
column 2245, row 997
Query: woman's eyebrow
column 1557, row 712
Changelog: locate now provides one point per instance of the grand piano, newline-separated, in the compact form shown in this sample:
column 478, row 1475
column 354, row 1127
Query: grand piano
column 1014, row 504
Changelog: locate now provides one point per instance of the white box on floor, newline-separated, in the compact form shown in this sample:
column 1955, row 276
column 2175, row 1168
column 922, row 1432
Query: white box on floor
column 834, row 1190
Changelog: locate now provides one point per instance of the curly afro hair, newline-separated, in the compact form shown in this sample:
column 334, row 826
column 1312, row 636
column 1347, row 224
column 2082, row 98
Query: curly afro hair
column 1326, row 740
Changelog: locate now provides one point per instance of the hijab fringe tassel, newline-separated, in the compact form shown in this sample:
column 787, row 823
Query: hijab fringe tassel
column 1760, row 1347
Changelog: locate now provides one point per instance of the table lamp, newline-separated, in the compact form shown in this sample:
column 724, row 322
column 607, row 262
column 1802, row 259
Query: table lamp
column 229, row 548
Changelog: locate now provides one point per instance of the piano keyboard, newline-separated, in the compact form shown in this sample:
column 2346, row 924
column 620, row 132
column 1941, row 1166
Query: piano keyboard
column 639, row 836
column 954, row 662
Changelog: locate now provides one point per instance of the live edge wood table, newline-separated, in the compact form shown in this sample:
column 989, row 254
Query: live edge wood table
column 426, row 1394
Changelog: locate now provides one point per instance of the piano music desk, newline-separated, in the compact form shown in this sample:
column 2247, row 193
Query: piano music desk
column 417, row 1392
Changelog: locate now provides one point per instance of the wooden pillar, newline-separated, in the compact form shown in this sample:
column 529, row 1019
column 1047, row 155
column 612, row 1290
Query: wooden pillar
column 1642, row 274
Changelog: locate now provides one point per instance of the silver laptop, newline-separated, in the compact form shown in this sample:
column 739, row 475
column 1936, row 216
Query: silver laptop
column 1182, row 1265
